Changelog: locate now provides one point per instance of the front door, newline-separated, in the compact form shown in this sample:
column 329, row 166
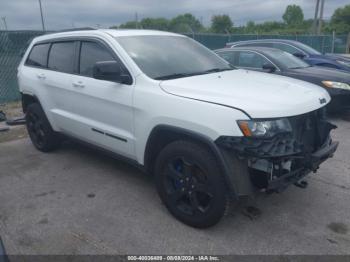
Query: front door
column 100, row 112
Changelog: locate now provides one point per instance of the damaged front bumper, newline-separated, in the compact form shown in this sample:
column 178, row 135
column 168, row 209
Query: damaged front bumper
column 274, row 163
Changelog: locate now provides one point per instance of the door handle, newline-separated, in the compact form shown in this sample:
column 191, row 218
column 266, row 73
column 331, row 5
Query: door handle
column 78, row 84
column 41, row 76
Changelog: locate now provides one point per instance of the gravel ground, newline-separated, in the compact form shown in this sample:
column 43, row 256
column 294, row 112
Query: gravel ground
column 12, row 110
column 77, row 201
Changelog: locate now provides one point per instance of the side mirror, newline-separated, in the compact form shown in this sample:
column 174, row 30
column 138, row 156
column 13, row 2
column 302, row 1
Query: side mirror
column 110, row 71
column 299, row 55
column 269, row 68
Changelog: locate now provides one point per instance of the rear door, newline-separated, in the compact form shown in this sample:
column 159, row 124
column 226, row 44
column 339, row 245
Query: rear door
column 32, row 74
column 100, row 112
column 58, row 80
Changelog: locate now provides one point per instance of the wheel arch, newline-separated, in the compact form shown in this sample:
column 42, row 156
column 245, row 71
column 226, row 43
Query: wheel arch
column 28, row 99
column 162, row 135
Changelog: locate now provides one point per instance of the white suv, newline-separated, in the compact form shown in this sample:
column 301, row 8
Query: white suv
column 207, row 131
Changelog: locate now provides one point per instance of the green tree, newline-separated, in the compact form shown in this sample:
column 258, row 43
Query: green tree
column 250, row 27
column 221, row 24
column 155, row 23
column 129, row 25
column 340, row 21
column 293, row 16
column 185, row 23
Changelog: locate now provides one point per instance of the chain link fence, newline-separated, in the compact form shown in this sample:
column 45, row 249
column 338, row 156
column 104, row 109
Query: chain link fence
column 14, row 43
column 12, row 46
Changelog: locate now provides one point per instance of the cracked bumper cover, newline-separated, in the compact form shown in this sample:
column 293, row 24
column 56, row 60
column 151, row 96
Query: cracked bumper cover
column 278, row 150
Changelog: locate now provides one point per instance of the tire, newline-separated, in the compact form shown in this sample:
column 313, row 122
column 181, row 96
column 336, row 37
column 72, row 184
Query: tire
column 190, row 184
column 43, row 137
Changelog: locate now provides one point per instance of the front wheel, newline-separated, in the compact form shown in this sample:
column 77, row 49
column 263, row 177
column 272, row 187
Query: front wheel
column 190, row 183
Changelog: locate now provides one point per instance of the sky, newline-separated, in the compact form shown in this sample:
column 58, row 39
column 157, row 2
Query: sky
column 63, row 14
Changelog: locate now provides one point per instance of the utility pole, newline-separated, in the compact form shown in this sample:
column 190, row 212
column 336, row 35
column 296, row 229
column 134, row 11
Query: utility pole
column 4, row 20
column 42, row 16
column 136, row 20
column 321, row 18
column 314, row 25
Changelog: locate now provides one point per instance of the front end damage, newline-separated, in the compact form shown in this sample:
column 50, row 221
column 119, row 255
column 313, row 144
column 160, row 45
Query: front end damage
column 276, row 162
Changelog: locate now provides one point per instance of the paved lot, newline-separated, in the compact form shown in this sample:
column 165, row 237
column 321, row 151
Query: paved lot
column 76, row 201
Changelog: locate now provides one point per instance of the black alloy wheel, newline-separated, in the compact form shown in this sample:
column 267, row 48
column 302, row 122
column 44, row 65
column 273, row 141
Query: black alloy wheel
column 190, row 184
column 43, row 137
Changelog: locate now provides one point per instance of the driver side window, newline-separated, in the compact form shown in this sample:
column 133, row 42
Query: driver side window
column 229, row 57
column 251, row 60
column 90, row 53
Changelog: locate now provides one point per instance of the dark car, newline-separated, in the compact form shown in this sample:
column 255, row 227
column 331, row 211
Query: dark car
column 305, row 52
column 275, row 61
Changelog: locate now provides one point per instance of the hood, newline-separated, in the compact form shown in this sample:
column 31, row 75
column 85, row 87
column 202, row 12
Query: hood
column 333, row 57
column 258, row 94
column 344, row 57
column 321, row 73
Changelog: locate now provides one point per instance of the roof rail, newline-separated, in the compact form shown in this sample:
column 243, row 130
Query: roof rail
column 75, row 29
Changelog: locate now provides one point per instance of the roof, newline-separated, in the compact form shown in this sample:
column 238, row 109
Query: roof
column 135, row 32
column 263, row 40
column 250, row 48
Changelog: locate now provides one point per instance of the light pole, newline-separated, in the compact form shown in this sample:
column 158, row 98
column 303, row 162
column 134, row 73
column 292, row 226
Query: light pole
column 321, row 18
column 42, row 16
column 314, row 26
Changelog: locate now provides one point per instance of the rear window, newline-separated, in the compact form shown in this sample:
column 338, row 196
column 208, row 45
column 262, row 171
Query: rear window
column 61, row 57
column 38, row 55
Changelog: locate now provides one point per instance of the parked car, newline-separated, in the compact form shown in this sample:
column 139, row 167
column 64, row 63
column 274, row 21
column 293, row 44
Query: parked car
column 207, row 131
column 275, row 61
column 300, row 50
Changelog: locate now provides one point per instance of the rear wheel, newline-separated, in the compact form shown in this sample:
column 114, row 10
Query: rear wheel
column 190, row 184
column 39, row 129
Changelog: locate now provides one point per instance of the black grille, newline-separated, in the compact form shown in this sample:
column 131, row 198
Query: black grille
column 311, row 130
column 310, row 133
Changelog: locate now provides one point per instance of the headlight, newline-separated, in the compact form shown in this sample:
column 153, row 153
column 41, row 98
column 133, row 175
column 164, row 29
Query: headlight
column 340, row 85
column 261, row 128
column 346, row 63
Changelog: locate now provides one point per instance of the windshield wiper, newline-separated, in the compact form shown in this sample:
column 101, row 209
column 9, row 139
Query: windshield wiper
column 173, row 76
column 180, row 75
column 215, row 70
column 300, row 67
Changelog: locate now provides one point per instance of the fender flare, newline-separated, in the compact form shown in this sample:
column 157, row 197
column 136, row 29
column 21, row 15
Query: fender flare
column 198, row 137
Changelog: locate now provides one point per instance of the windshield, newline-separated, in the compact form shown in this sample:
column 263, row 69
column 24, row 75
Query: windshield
column 308, row 49
column 169, row 57
column 286, row 60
